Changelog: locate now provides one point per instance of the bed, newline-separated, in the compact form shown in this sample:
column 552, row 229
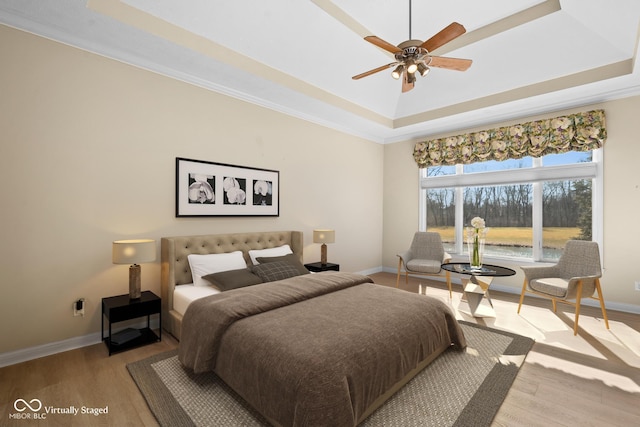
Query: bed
column 176, row 272
column 322, row 349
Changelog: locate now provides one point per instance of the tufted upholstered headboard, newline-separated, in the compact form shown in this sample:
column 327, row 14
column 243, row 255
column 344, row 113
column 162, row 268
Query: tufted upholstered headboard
column 175, row 265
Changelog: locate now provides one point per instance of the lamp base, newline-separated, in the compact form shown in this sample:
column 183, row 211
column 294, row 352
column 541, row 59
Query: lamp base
column 134, row 281
column 323, row 254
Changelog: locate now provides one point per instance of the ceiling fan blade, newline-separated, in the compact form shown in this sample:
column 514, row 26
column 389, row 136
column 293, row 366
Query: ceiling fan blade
column 383, row 44
column 449, row 33
column 406, row 84
column 450, row 63
column 375, row 70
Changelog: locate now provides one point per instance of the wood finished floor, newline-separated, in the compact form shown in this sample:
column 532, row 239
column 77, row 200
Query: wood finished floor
column 589, row 380
column 592, row 379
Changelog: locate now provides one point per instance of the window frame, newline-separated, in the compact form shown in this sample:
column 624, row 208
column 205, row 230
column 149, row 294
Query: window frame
column 536, row 175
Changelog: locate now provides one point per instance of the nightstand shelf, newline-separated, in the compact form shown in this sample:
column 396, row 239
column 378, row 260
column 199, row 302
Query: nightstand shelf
column 121, row 308
column 316, row 267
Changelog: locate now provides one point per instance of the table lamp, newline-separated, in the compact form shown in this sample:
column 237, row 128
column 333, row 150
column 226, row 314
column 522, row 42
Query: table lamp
column 133, row 252
column 324, row 236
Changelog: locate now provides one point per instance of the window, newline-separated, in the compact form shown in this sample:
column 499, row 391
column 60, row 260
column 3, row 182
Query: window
column 532, row 206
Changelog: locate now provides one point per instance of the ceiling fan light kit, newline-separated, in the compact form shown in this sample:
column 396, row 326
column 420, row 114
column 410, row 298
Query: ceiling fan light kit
column 423, row 69
column 412, row 67
column 413, row 55
column 397, row 72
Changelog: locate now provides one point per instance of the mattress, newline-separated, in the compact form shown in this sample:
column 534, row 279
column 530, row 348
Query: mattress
column 183, row 295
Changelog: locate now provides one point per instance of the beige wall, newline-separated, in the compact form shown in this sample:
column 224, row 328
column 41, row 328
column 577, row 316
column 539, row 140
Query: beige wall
column 621, row 202
column 88, row 148
column 87, row 156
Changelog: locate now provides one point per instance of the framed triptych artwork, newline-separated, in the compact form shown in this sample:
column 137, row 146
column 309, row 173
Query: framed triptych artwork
column 217, row 189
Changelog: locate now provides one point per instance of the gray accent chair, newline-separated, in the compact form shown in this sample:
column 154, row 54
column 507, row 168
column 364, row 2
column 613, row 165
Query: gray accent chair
column 575, row 276
column 424, row 258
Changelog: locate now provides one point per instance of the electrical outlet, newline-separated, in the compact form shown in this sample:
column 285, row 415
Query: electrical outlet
column 637, row 285
column 78, row 307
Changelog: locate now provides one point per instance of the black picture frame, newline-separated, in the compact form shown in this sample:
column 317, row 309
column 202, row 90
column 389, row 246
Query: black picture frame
column 218, row 189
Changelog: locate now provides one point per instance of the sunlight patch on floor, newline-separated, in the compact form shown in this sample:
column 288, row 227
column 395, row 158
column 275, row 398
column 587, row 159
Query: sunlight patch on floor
column 579, row 370
column 554, row 329
column 472, row 352
column 511, row 359
column 621, row 340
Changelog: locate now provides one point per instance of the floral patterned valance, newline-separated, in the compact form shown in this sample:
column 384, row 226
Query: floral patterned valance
column 574, row 132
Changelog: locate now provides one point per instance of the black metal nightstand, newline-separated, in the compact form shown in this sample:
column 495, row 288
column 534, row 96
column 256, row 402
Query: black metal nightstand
column 316, row 267
column 120, row 308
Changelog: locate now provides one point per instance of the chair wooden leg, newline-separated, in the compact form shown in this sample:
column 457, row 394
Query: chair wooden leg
column 399, row 267
column 553, row 304
column 448, row 274
column 524, row 289
column 601, row 298
column 578, row 298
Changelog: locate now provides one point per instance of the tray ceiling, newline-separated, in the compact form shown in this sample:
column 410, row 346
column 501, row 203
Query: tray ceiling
column 297, row 57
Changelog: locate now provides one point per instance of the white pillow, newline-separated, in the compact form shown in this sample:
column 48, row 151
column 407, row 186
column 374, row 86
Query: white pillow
column 201, row 265
column 267, row 253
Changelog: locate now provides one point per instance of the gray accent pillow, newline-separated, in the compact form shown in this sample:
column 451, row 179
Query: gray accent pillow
column 272, row 271
column 232, row 279
column 290, row 258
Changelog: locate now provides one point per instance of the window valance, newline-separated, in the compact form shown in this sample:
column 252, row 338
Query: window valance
column 575, row 132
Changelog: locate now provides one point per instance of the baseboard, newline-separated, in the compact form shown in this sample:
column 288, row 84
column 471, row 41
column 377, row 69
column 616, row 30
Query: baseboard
column 371, row 271
column 25, row 354
column 36, row 352
column 626, row 308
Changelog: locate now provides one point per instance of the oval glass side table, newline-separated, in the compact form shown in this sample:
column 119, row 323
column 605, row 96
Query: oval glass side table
column 476, row 285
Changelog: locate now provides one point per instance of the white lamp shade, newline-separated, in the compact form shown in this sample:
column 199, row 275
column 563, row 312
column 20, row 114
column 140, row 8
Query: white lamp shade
column 134, row 251
column 324, row 236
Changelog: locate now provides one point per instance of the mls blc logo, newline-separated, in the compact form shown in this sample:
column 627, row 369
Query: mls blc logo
column 22, row 405
column 27, row 410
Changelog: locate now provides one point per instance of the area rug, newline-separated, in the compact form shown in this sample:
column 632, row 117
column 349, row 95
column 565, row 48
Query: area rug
column 457, row 389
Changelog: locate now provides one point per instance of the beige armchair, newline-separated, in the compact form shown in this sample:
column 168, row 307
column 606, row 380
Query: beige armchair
column 424, row 257
column 575, row 276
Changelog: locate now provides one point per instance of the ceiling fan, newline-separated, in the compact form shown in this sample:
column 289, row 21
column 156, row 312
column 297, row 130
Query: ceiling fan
column 414, row 55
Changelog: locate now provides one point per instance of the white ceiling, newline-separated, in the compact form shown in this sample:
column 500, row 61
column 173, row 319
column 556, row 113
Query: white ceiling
column 298, row 56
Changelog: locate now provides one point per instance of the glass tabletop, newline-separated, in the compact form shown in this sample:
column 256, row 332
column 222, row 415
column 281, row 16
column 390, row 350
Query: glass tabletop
column 485, row 270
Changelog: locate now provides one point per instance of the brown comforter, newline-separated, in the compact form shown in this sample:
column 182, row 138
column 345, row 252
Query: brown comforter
column 315, row 350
